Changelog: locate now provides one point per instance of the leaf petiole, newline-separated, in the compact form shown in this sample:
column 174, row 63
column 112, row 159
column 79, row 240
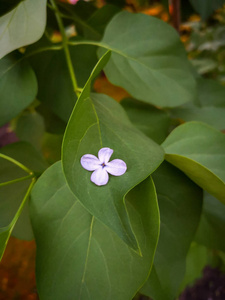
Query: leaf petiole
column 15, row 162
column 17, row 180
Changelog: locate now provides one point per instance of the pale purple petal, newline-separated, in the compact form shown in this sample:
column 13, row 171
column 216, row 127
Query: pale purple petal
column 90, row 162
column 116, row 167
column 100, row 176
column 104, row 155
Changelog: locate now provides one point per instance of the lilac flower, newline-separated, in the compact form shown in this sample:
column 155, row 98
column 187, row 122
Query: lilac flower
column 102, row 166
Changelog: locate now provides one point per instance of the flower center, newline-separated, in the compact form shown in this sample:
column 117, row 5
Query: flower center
column 103, row 165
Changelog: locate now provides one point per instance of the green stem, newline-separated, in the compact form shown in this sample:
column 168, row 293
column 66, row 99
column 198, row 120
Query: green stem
column 15, row 162
column 16, row 217
column 17, row 180
column 65, row 46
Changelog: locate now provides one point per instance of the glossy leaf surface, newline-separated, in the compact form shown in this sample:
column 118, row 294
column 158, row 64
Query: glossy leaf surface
column 150, row 64
column 14, row 100
column 80, row 258
column 22, row 26
column 211, row 228
column 98, row 121
column 198, row 150
column 180, row 203
column 208, row 107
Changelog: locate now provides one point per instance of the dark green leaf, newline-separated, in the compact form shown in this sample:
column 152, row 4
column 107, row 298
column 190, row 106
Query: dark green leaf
column 151, row 121
column 208, row 107
column 18, row 87
column 29, row 127
column 206, row 7
column 12, row 195
column 198, row 150
column 51, row 68
column 80, row 258
column 211, row 229
column 180, row 202
column 148, row 60
column 22, row 26
column 98, row 121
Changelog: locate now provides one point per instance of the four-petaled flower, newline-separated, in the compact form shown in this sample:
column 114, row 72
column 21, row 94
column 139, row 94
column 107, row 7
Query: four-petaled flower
column 102, row 166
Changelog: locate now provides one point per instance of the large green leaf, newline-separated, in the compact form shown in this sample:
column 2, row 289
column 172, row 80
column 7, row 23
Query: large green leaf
column 211, row 228
column 148, row 60
column 198, row 150
column 208, row 107
column 150, row 120
column 12, row 195
column 80, row 258
column 23, row 25
column 51, row 67
column 98, row 121
column 206, row 7
column 18, row 87
column 180, row 202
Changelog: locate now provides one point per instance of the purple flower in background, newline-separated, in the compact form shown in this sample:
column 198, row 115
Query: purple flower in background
column 102, row 166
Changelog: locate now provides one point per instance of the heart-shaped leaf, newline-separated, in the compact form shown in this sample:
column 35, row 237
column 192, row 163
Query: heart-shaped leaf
column 98, row 121
column 80, row 258
column 148, row 60
column 198, row 150
column 180, row 202
column 14, row 100
column 22, row 26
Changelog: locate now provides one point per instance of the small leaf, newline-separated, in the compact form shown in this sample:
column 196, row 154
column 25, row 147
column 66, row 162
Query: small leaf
column 14, row 100
column 12, row 195
column 198, row 150
column 180, row 203
column 80, row 258
column 150, row 120
column 209, row 106
column 148, row 60
column 98, row 121
column 22, row 26
column 211, row 228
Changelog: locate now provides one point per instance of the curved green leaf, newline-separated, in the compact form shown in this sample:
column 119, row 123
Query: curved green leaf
column 198, row 150
column 180, row 203
column 208, row 107
column 14, row 100
column 98, row 121
column 211, row 228
column 148, row 60
column 22, row 26
column 80, row 258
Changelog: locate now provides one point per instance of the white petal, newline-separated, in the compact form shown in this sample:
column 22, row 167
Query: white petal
column 104, row 154
column 100, row 176
column 116, row 167
column 90, row 162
